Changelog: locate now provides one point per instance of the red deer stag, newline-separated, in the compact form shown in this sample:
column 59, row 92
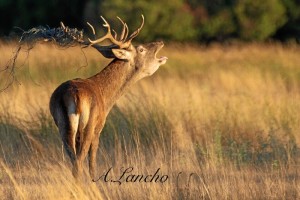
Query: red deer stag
column 80, row 106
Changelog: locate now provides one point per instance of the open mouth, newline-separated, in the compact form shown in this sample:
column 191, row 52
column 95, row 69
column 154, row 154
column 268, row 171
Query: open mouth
column 161, row 59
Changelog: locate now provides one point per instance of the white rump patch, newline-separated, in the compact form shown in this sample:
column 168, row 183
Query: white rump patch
column 84, row 115
column 74, row 121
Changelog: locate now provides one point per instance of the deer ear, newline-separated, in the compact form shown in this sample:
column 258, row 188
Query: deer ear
column 122, row 54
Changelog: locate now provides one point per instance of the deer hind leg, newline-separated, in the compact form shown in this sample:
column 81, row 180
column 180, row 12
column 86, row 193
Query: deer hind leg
column 62, row 122
column 92, row 156
column 93, row 152
column 87, row 136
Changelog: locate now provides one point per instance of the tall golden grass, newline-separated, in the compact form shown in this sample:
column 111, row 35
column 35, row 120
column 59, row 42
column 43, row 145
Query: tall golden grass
column 222, row 122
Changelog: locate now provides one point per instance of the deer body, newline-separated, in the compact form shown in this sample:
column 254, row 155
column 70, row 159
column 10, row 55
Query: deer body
column 80, row 106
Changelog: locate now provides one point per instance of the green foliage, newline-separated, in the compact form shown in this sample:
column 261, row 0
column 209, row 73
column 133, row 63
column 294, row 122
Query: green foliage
column 179, row 20
column 291, row 30
column 164, row 19
column 259, row 20
column 218, row 26
column 293, row 8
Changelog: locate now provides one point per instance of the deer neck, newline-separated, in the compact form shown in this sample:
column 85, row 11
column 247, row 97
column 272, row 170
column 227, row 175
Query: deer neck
column 113, row 81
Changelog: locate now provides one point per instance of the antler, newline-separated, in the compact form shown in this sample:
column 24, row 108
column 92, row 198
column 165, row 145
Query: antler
column 123, row 41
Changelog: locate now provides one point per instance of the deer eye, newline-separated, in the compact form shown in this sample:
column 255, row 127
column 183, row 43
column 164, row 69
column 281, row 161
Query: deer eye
column 141, row 50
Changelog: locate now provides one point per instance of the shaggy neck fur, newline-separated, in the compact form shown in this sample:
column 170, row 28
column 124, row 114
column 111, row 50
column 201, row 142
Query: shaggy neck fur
column 114, row 79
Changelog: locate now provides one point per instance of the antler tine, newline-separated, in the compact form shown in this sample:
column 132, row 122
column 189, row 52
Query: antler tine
column 62, row 25
column 123, row 29
column 106, row 24
column 126, row 33
column 115, row 34
column 135, row 33
column 90, row 25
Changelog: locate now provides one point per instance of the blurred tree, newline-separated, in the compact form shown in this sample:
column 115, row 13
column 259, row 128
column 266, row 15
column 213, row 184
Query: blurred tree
column 28, row 13
column 246, row 19
column 213, row 6
column 291, row 30
column 218, row 27
column 163, row 19
column 214, row 19
column 179, row 20
column 258, row 20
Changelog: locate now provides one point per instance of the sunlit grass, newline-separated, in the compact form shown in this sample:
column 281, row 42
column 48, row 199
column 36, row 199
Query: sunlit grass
column 227, row 117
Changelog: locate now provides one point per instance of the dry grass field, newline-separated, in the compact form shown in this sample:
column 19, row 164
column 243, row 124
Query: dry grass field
column 218, row 122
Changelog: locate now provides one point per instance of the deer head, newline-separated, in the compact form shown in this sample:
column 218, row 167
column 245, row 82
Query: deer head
column 142, row 57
